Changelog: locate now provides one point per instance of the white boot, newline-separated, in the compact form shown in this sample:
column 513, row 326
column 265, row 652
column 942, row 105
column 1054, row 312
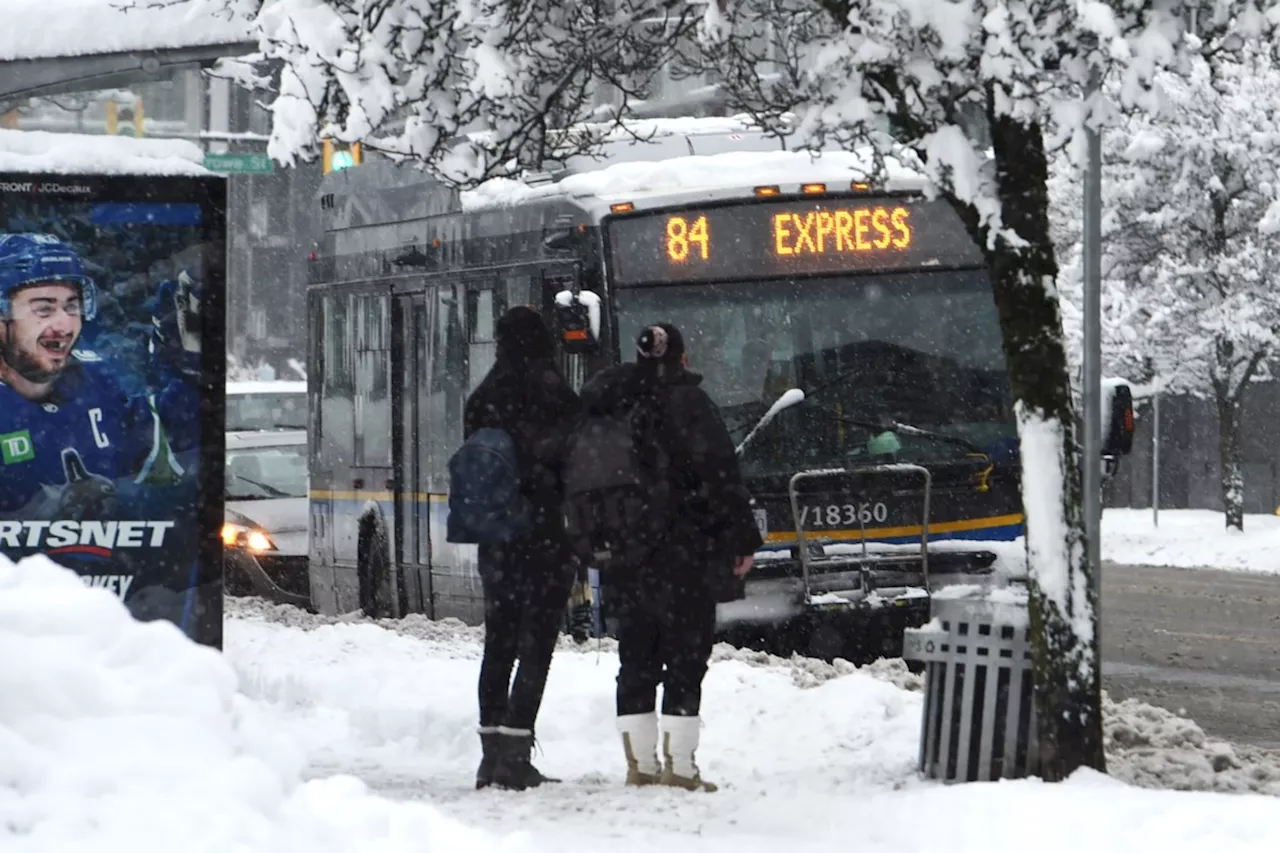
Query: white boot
column 640, row 743
column 679, row 744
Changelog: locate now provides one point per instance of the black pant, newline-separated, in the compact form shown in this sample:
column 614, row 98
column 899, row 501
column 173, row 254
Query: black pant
column 526, row 590
column 665, row 633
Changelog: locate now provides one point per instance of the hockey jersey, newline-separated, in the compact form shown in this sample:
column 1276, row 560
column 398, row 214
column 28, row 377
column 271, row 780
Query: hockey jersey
column 61, row 458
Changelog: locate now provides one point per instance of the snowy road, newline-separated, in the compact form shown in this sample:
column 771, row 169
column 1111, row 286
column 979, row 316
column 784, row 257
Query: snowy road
column 1200, row 640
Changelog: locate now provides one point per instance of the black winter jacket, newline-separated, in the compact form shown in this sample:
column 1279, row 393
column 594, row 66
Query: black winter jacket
column 712, row 517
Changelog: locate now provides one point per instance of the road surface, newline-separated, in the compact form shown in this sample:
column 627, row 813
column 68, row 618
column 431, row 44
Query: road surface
column 1203, row 641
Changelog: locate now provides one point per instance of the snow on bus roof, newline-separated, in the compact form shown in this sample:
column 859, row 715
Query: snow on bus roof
column 56, row 28
column 37, row 151
column 630, row 181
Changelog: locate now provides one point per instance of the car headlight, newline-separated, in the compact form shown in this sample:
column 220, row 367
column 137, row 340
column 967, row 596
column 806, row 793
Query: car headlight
column 250, row 539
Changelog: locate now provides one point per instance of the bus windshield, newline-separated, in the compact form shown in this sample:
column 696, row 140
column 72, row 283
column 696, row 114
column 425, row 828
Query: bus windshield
column 921, row 349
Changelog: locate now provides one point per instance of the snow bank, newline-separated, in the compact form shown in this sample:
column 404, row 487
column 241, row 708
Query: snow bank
column 121, row 735
column 1191, row 538
column 809, row 753
column 1155, row 748
column 48, row 28
column 36, row 151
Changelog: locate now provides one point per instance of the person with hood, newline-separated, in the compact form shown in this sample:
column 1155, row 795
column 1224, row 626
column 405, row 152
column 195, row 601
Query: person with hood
column 526, row 582
column 664, row 593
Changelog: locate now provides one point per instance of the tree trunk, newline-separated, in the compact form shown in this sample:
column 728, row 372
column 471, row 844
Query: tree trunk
column 1063, row 601
column 1229, row 458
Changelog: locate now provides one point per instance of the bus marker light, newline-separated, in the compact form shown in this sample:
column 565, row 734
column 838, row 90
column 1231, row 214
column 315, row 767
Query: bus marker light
column 622, row 207
column 767, row 191
column 813, row 188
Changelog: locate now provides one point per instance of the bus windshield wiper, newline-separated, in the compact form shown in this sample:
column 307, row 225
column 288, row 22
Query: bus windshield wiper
column 789, row 398
column 889, row 424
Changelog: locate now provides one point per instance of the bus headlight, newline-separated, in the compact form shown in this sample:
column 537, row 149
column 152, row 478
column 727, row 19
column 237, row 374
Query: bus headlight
column 250, row 539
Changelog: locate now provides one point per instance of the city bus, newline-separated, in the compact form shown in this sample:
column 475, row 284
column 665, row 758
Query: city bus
column 845, row 329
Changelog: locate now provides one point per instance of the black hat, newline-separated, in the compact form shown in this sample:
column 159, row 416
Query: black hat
column 522, row 335
column 660, row 343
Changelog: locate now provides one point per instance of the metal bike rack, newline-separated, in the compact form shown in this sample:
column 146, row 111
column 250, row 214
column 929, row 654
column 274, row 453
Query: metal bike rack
column 860, row 472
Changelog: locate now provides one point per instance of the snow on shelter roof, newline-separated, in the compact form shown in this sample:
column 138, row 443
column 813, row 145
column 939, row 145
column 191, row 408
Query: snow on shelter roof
column 37, row 29
column 35, row 151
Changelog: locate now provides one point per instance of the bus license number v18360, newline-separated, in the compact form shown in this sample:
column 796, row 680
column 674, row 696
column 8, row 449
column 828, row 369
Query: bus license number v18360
column 844, row 515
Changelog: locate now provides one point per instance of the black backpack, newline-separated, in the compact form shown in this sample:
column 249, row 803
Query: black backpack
column 617, row 487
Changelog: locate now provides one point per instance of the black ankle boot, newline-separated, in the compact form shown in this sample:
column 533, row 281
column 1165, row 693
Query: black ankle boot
column 515, row 770
column 491, row 748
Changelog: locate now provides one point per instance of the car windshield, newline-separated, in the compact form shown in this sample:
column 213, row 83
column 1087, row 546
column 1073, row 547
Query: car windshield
column 919, row 349
column 263, row 473
column 266, row 410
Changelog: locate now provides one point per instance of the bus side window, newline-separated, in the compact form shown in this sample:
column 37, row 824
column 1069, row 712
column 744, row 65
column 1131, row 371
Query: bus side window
column 337, row 384
column 373, row 367
column 449, row 358
column 484, row 307
column 519, row 289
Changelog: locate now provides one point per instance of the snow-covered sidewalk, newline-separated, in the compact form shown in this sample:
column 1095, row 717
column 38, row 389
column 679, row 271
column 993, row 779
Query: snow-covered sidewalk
column 1192, row 539
column 315, row 735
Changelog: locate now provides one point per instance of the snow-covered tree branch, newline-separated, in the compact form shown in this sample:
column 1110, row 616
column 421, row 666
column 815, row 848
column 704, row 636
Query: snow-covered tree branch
column 1191, row 264
column 471, row 88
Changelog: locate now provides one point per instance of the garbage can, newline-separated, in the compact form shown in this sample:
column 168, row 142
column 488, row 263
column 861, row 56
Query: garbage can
column 979, row 720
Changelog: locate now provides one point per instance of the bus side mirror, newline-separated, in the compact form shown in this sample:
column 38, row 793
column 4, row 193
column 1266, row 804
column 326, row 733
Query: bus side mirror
column 578, row 321
column 1117, row 429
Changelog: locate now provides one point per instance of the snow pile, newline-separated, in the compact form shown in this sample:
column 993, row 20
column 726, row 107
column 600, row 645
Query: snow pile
column 1190, row 538
column 36, row 151
column 121, row 735
column 77, row 27
column 807, row 752
column 1154, row 748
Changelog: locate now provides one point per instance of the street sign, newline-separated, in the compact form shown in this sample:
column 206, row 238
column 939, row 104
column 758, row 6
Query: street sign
column 251, row 161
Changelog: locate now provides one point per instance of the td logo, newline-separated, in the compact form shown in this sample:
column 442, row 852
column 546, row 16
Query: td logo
column 17, row 447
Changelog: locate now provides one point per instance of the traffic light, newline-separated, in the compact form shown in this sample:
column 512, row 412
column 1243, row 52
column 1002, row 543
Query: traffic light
column 340, row 155
column 130, row 116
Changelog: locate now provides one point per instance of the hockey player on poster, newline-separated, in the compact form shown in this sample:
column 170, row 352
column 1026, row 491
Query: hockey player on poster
column 70, row 437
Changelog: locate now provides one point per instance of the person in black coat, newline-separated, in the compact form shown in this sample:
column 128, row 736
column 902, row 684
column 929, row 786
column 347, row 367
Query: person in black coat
column 526, row 582
column 665, row 603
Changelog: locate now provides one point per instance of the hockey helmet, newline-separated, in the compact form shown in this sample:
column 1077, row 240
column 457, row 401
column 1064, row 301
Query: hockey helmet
column 30, row 259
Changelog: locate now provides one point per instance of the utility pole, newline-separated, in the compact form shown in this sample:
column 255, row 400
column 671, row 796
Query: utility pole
column 1092, row 390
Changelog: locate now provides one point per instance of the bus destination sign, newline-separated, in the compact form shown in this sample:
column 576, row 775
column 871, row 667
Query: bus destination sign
column 801, row 237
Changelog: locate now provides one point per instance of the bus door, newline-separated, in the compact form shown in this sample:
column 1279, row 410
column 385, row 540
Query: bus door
column 411, row 368
column 371, row 470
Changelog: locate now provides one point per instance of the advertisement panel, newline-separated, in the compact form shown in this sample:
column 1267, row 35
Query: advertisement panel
column 112, row 386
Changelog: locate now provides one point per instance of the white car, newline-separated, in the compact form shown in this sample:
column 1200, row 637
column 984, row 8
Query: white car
column 265, row 529
column 266, row 405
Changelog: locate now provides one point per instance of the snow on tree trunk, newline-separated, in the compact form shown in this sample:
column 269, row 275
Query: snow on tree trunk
column 1229, row 455
column 1062, row 602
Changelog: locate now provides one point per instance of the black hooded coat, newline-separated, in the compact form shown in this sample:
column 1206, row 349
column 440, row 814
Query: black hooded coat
column 525, row 394
column 710, row 515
